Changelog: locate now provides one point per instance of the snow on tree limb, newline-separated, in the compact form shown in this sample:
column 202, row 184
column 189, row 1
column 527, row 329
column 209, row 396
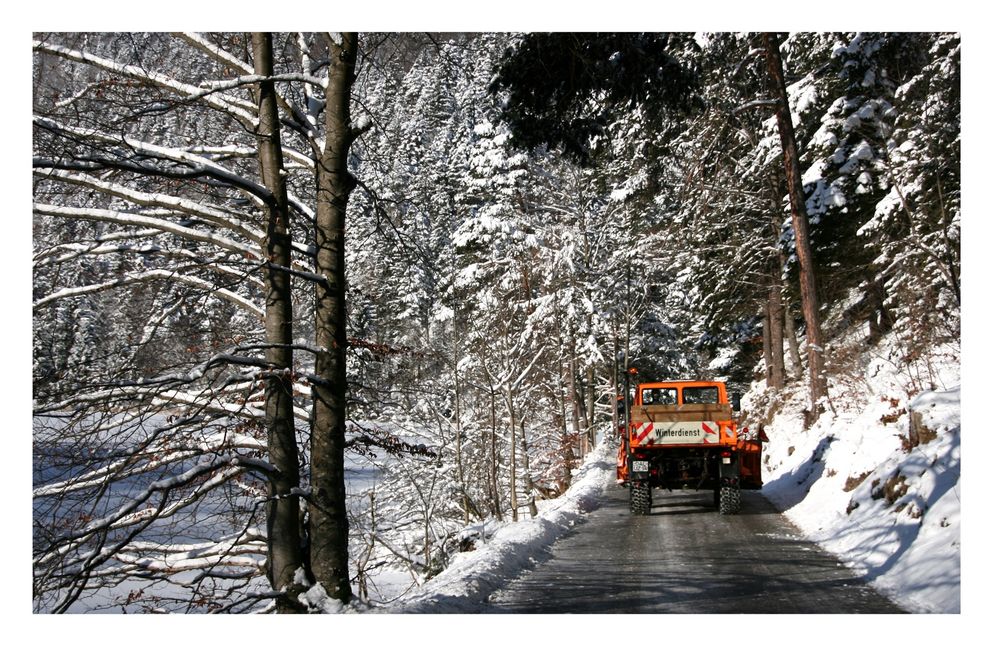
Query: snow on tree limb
column 216, row 52
column 307, row 120
column 107, row 245
column 297, row 158
column 132, row 219
column 65, row 252
column 240, row 108
column 155, row 274
column 76, row 561
column 208, row 212
column 199, row 166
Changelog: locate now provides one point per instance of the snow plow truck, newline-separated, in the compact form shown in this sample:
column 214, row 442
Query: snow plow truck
column 682, row 435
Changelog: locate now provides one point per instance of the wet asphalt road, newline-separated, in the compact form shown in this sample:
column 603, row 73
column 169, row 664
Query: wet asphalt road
column 685, row 558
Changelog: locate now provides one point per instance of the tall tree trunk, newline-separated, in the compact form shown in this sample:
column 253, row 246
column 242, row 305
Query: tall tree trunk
column 774, row 315
column 766, row 348
column 566, row 447
column 529, row 486
column 800, row 223
column 775, row 303
column 494, row 478
column 793, row 342
column 458, row 424
column 328, row 512
column 284, row 549
column 616, row 388
column 509, row 396
column 574, row 397
column 590, row 408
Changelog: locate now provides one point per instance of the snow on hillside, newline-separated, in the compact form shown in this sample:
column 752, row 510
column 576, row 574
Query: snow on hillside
column 858, row 483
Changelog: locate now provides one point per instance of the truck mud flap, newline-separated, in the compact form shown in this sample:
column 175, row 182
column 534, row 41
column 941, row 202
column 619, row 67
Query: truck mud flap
column 729, row 465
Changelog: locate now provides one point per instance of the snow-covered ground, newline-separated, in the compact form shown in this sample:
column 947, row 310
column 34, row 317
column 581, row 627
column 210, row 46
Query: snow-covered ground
column 503, row 551
column 858, row 485
column 890, row 512
column 512, row 547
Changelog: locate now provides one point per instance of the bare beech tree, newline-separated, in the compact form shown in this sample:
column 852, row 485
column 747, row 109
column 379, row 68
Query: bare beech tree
column 184, row 163
column 328, row 513
column 285, row 556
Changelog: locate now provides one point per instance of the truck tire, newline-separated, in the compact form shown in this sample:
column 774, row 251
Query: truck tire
column 640, row 498
column 729, row 500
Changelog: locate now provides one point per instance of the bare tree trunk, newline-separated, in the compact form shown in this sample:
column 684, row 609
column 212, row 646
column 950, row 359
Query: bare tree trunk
column 509, row 396
column 529, row 486
column 775, row 303
column 590, row 408
column 800, row 223
column 574, row 397
column 616, row 388
column 565, row 446
column 284, row 550
column 774, row 315
column 766, row 347
column 328, row 513
column 458, row 425
column 793, row 342
column 565, row 449
column 494, row 457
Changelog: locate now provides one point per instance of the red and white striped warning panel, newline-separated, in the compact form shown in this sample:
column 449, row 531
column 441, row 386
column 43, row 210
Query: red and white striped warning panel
column 644, row 434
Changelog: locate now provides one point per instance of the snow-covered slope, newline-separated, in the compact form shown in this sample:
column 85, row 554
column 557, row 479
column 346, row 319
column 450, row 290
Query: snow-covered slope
column 886, row 500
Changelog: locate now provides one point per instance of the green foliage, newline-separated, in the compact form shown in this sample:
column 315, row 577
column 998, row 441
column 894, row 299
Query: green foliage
column 564, row 90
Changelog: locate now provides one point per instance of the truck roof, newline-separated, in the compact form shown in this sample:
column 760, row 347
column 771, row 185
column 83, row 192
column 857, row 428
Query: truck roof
column 677, row 383
column 680, row 385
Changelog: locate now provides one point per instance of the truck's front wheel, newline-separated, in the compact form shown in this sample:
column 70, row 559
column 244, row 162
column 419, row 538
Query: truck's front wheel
column 640, row 497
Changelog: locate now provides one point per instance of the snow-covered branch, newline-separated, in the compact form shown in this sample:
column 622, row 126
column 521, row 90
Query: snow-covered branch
column 198, row 166
column 209, row 213
column 133, row 219
column 155, row 274
column 64, row 252
column 305, row 121
column 138, row 244
column 242, row 109
column 296, row 158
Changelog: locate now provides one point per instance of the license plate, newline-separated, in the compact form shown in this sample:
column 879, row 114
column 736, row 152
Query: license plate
column 640, row 466
column 726, row 460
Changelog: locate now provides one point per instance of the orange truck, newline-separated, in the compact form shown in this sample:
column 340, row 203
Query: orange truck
column 682, row 434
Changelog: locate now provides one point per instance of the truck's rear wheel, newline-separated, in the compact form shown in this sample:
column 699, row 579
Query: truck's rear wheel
column 729, row 499
column 640, row 498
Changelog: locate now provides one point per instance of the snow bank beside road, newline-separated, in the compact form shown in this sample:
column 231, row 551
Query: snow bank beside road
column 887, row 506
column 472, row 576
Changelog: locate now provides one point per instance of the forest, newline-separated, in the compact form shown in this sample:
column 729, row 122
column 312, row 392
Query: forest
column 310, row 307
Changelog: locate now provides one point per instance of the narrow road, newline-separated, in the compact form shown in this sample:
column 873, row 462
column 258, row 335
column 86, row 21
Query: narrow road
column 685, row 558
